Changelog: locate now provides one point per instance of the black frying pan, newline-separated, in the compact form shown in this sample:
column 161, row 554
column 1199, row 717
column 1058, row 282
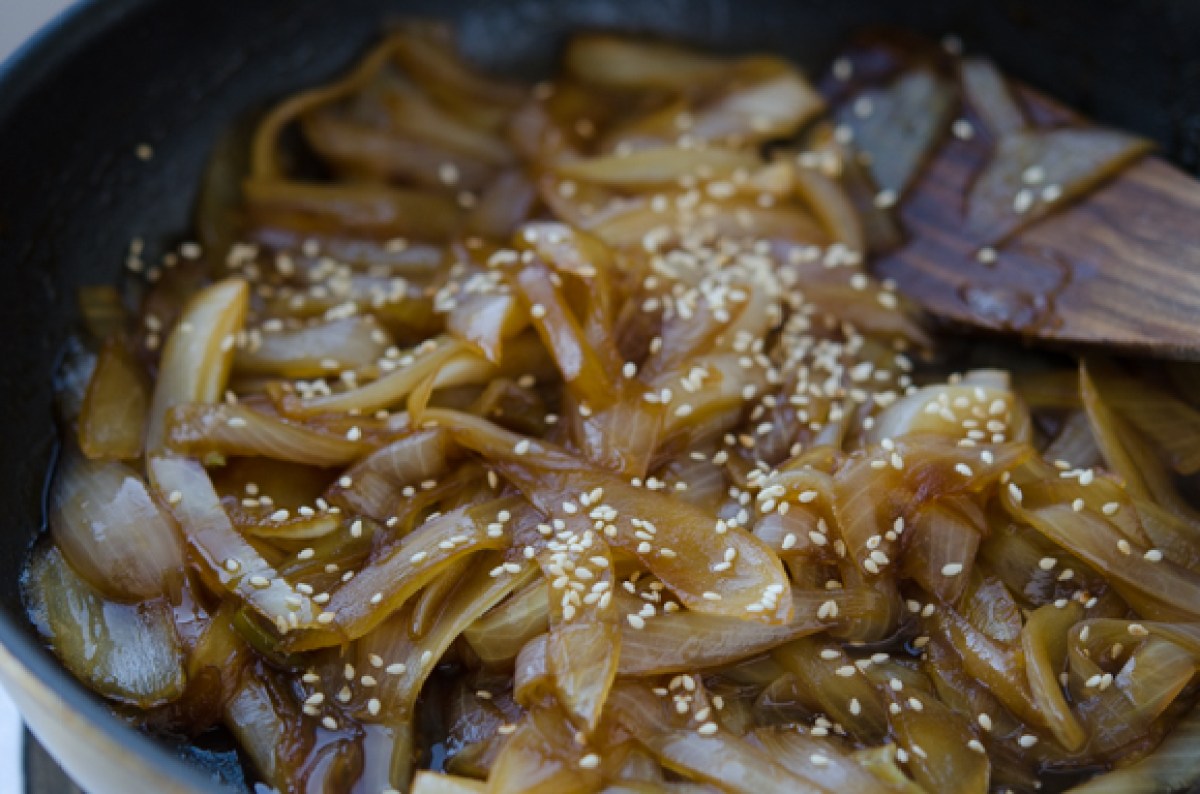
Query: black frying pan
column 117, row 73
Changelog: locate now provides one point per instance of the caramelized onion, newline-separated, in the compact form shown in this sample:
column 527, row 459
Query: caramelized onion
column 236, row 564
column 113, row 421
column 127, row 652
column 559, row 439
column 110, row 529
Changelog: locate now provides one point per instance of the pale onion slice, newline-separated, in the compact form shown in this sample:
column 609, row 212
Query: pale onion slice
column 111, row 530
column 198, row 354
column 313, row 351
column 201, row 430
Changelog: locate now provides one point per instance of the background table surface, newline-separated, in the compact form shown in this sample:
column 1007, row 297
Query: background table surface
column 18, row 21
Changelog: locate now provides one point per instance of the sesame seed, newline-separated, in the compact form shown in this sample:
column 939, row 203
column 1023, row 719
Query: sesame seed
column 1027, row 740
column 1023, row 201
column 707, row 729
column 952, row 569
column 590, row 761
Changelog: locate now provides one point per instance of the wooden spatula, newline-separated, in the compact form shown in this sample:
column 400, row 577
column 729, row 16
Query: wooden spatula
column 1121, row 267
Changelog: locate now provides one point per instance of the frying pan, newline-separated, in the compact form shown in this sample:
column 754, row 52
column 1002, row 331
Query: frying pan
column 113, row 74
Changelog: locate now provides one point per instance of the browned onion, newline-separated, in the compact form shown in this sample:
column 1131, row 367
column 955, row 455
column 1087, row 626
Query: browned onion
column 111, row 530
column 563, row 429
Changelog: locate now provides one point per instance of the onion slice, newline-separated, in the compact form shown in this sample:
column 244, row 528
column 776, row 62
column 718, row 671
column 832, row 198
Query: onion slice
column 227, row 556
column 110, row 529
column 238, row 430
column 129, row 653
column 316, row 350
column 113, row 421
column 198, row 354
column 753, row 587
column 399, row 571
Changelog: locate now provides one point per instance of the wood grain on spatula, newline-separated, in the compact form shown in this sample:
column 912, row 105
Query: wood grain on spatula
column 1120, row 267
